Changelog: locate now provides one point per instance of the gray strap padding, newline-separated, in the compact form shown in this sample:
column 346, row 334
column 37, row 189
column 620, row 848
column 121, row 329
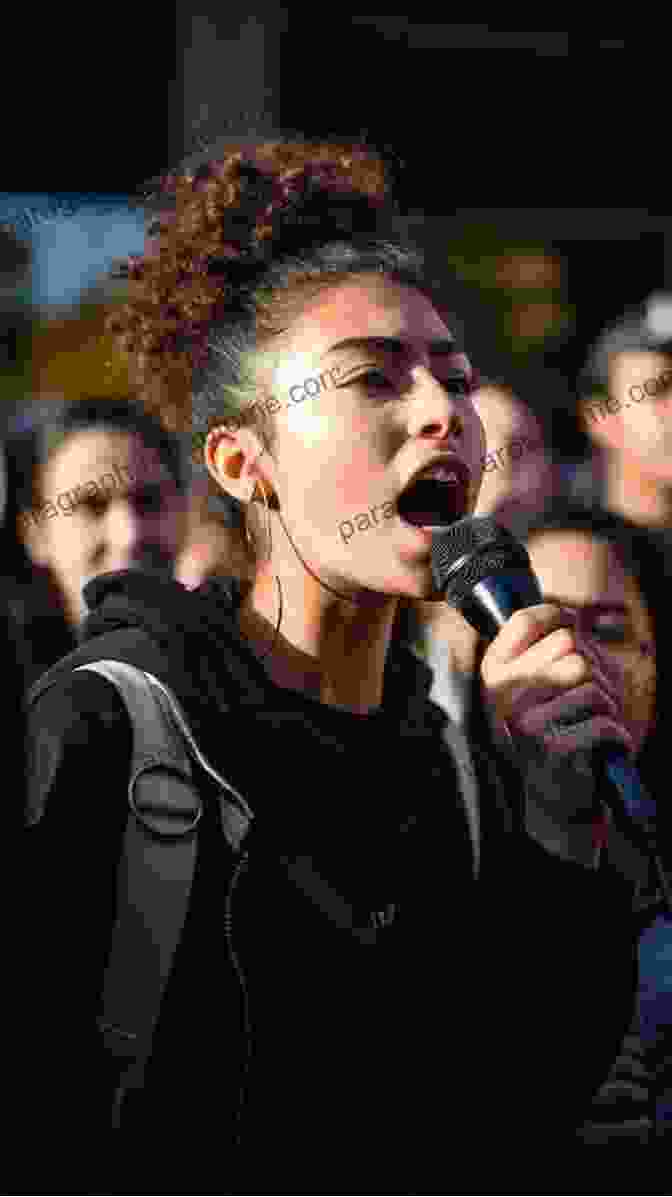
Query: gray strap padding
column 155, row 709
column 156, row 869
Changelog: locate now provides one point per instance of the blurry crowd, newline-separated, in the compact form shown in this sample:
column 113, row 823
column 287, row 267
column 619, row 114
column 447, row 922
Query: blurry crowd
column 93, row 484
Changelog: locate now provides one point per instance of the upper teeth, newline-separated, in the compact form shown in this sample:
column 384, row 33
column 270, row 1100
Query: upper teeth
column 443, row 473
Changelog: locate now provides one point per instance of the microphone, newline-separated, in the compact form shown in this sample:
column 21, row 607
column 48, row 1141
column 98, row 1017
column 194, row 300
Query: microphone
column 484, row 572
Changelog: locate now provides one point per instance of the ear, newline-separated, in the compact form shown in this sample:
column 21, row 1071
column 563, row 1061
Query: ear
column 231, row 455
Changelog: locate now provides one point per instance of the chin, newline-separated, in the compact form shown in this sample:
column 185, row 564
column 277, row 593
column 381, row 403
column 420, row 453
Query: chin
column 419, row 583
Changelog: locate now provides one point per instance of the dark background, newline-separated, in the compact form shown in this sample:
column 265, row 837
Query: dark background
column 554, row 138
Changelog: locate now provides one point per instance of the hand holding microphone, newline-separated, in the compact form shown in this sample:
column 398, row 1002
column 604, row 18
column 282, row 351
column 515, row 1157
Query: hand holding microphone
column 538, row 683
column 540, row 687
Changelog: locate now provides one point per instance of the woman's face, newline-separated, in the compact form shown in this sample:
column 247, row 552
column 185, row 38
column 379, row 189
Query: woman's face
column 108, row 503
column 519, row 475
column 371, row 386
column 210, row 548
column 579, row 571
column 639, row 424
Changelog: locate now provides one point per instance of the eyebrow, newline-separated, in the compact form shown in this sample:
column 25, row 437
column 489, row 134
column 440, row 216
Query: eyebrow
column 393, row 345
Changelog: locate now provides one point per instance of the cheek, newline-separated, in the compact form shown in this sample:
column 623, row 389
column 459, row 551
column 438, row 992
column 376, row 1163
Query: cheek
column 358, row 482
column 641, row 423
column 337, row 477
column 69, row 548
column 64, row 540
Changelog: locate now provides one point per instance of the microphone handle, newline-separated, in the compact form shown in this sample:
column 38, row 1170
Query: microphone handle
column 495, row 599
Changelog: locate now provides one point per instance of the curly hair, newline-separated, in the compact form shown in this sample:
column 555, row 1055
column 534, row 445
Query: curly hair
column 235, row 251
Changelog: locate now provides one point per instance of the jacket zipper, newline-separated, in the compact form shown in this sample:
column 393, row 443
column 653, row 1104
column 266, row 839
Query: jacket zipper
column 235, row 960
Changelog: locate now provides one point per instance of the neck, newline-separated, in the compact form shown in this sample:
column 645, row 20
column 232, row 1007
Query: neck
column 640, row 497
column 329, row 648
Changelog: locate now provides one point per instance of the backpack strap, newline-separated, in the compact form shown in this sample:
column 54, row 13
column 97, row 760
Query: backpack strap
column 157, row 866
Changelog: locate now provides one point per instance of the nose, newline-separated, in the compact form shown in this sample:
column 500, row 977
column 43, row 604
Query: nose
column 434, row 410
column 124, row 535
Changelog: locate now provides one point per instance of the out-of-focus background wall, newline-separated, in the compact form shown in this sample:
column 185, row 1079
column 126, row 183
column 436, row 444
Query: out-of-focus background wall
column 534, row 164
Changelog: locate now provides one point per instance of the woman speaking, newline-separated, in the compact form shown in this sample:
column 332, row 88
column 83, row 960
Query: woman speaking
column 370, row 991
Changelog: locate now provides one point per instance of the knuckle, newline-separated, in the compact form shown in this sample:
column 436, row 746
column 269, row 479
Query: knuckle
column 576, row 669
column 542, row 617
column 533, row 619
column 564, row 642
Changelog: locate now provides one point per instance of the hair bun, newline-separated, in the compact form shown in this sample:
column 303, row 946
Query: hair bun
column 217, row 228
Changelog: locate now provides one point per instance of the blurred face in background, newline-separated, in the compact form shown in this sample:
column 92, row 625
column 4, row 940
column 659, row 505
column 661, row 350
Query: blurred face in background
column 210, row 546
column 614, row 627
column 518, row 475
column 108, row 503
column 639, row 425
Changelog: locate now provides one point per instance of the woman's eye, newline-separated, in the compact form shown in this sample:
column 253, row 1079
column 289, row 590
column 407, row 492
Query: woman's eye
column 376, row 379
column 457, row 385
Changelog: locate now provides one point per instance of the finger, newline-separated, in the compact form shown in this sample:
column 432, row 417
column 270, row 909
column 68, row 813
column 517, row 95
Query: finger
column 536, row 668
column 611, row 683
column 585, row 735
column 586, row 720
column 609, row 673
column 583, row 701
column 557, row 700
column 524, row 629
column 550, row 665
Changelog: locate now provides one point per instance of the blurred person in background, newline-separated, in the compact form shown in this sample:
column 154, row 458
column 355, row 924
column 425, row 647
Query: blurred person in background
column 610, row 573
column 14, row 321
column 519, row 472
column 212, row 545
column 97, row 486
column 625, row 409
column 15, row 264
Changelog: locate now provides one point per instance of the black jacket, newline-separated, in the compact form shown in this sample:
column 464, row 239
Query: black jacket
column 480, row 1019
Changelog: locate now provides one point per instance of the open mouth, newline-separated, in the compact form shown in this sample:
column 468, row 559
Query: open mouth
column 433, row 502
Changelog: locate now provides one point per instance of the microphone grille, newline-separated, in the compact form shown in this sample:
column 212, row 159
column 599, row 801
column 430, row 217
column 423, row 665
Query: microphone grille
column 469, row 551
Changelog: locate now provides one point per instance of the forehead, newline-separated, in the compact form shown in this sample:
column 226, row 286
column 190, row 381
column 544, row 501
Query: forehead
column 86, row 454
column 578, row 567
column 637, row 366
column 368, row 307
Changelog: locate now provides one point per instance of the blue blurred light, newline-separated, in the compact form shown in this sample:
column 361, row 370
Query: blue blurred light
column 74, row 239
